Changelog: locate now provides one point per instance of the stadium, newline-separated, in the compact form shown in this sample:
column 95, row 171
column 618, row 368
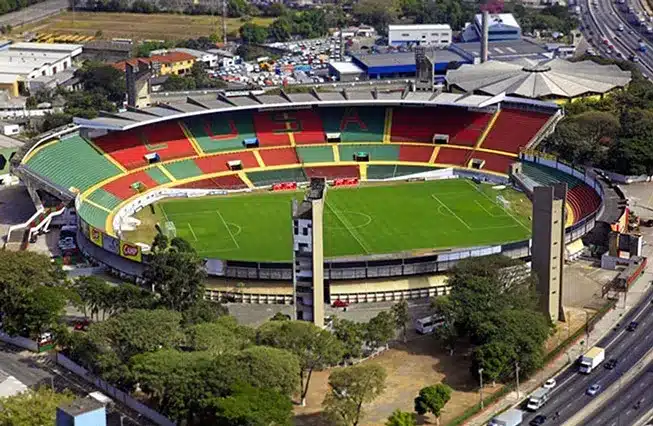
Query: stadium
column 417, row 181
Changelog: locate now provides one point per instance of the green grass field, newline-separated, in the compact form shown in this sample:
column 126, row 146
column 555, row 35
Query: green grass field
column 358, row 221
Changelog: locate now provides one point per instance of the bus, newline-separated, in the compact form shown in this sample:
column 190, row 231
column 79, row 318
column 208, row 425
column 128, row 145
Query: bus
column 427, row 325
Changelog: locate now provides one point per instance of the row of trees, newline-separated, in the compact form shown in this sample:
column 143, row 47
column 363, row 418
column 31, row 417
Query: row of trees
column 7, row 6
column 614, row 132
column 306, row 24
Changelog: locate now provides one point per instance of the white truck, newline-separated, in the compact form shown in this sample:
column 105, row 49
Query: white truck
column 538, row 399
column 591, row 360
column 513, row 417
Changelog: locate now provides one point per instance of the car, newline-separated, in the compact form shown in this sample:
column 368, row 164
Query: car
column 81, row 325
column 549, row 384
column 339, row 304
column 538, row 420
column 594, row 389
column 611, row 364
column 632, row 326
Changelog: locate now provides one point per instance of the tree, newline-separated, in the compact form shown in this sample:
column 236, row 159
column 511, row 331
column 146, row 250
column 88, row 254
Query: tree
column 315, row 348
column 216, row 338
column 401, row 418
column 281, row 28
column 253, row 33
column 269, row 368
column 43, row 309
column 280, row 316
column 177, row 276
column 495, row 358
column 349, row 389
column 32, row 407
column 276, row 10
column 251, row 406
column 432, row 399
column 380, row 330
column 401, row 316
column 104, row 79
column 54, row 120
column 204, row 311
column 377, row 13
column 94, row 294
column 351, row 335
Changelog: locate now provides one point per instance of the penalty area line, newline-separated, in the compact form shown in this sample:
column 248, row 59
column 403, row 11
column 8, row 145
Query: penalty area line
column 228, row 230
column 451, row 211
column 191, row 231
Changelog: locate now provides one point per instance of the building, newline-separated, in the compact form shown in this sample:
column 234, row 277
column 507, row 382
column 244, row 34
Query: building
column 177, row 63
column 502, row 26
column 548, row 248
column 308, row 254
column 425, row 34
column 107, row 51
column 224, row 57
column 8, row 148
column 22, row 62
column 208, row 58
column 552, row 79
column 402, row 64
column 346, row 71
column 82, row 412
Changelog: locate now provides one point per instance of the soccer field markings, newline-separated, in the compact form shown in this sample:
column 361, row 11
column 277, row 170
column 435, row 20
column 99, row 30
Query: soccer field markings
column 367, row 216
column 504, row 209
column 228, row 230
column 489, row 213
column 191, row 230
column 450, row 211
column 349, row 228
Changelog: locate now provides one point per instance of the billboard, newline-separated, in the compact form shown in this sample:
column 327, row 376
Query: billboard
column 130, row 251
column 111, row 244
column 95, row 235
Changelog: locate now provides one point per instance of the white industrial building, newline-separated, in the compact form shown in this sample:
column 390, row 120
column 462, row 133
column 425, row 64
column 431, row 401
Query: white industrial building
column 22, row 62
column 425, row 35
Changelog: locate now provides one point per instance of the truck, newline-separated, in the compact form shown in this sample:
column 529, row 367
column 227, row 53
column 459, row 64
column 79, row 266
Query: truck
column 512, row 417
column 538, row 399
column 591, row 360
column 577, row 10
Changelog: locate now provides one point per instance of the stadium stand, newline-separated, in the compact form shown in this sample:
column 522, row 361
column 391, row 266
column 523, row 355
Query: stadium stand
column 548, row 176
column 419, row 125
column 308, row 127
column 452, row 156
column 72, row 163
column 494, row 162
column 130, row 184
column 378, row 152
column 223, row 132
column 514, row 129
column 279, row 156
column 220, row 182
column 315, row 154
column 104, row 199
column 93, row 216
column 183, row 169
column 333, row 172
column 584, row 201
column 386, row 172
column 275, row 128
column 270, row 177
column 157, row 174
column 415, row 153
column 130, row 147
column 218, row 163
column 355, row 124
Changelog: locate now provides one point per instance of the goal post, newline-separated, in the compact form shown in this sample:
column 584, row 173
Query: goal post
column 503, row 202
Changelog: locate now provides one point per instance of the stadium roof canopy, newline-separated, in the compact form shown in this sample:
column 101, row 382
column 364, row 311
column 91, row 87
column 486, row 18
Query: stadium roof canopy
column 538, row 79
column 216, row 102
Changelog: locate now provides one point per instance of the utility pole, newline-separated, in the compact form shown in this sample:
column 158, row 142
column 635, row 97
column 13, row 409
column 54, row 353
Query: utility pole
column 517, row 376
column 480, row 375
column 224, row 22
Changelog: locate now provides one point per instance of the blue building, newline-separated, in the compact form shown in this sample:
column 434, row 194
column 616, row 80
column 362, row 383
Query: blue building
column 502, row 26
column 402, row 64
column 82, row 412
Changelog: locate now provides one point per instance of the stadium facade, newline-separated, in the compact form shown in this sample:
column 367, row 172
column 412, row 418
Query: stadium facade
column 111, row 167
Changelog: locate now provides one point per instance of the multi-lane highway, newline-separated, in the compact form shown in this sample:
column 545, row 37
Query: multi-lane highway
column 569, row 396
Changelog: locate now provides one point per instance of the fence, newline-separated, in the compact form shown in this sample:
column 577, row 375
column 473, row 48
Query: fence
column 111, row 391
column 21, row 342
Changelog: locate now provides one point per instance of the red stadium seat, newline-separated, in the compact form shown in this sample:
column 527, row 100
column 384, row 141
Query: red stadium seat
column 514, row 129
column 415, row 153
column 333, row 172
column 494, row 162
column 220, row 182
column 453, row 156
column 278, row 157
column 218, row 163
column 129, row 185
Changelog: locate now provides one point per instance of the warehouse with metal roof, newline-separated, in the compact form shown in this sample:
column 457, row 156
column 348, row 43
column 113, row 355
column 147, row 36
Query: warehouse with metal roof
column 554, row 79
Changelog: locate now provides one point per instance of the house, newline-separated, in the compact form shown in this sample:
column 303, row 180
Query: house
column 178, row 63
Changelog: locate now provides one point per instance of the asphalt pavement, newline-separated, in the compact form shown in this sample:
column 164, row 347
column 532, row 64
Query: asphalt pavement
column 33, row 13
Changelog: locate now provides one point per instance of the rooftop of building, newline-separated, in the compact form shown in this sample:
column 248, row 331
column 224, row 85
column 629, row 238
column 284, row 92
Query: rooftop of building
column 46, row 47
column 497, row 19
column 109, row 45
column 345, row 67
column 406, row 58
column 419, row 27
column 168, row 58
column 81, row 406
column 503, row 49
column 7, row 142
column 539, row 79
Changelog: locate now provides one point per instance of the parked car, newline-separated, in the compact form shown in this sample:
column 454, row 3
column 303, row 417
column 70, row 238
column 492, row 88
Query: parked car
column 594, row 389
column 339, row 304
column 81, row 325
column 549, row 384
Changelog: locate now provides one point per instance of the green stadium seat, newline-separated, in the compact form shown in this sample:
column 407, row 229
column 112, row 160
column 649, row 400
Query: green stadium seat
column 104, row 198
column 183, row 169
column 379, row 152
column 72, row 162
column 223, row 132
column 270, row 177
column 547, row 175
column 157, row 174
column 385, row 172
column 355, row 124
column 315, row 154
column 94, row 216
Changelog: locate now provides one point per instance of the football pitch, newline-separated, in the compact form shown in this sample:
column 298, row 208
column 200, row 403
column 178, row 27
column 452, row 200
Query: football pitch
column 417, row 216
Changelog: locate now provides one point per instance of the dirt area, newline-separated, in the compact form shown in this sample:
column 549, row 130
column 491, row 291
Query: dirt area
column 138, row 26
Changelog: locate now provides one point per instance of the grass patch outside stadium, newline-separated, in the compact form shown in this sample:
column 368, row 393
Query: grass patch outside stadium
column 418, row 217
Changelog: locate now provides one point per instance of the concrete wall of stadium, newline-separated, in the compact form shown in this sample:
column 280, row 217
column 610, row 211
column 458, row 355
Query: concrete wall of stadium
column 364, row 279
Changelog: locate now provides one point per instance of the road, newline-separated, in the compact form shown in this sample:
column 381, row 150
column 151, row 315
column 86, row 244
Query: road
column 33, row 13
column 569, row 396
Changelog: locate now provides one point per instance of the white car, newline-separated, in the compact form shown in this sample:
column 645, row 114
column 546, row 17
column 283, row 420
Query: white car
column 594, row 389
column 549, row 384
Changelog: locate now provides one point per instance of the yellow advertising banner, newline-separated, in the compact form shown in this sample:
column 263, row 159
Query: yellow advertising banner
column 130, row 251
column 95, row 235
